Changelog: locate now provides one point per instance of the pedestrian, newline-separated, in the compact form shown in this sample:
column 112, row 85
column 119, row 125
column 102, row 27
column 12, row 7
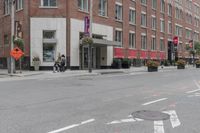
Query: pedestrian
column 57, row 65
column 63, row 60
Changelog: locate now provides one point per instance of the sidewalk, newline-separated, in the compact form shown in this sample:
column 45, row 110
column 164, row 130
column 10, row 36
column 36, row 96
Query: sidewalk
column 4, row 72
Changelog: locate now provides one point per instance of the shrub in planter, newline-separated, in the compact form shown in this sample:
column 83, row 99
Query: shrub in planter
column 36, row 63
column 126, row 63
column 116, row 63
column 152, row 66
column 181, row 64
column 197, row 62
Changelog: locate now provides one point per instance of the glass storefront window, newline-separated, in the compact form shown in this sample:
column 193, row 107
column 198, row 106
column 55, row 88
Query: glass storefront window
column 49, row 52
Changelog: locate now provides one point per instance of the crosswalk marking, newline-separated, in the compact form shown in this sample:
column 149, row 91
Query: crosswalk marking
column 173, row 118
column 158, row 127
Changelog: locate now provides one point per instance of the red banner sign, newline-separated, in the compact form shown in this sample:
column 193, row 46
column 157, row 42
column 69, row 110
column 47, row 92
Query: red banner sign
column 118, row 53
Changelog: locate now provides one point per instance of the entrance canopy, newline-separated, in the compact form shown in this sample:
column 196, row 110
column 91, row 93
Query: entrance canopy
column 104, row 43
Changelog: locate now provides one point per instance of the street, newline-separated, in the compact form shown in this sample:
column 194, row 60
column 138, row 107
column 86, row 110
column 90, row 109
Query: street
column 102, row 103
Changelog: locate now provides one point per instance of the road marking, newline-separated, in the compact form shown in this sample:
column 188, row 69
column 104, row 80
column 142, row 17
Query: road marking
column 158, row 127
column 159, row 100
column 72, row 126
column 124, row 121
column 195, row 95
column 197, row 84
column 173, row 118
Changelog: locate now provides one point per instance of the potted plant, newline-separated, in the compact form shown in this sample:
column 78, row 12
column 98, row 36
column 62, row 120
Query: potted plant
column 116, row 63
column 126, row 63
column 181, row 64
column 197, row 62
column 36, row 63
column 152, row 66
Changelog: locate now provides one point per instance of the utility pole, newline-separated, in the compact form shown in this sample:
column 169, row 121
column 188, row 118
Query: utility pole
column 12, row 5
column 90, row 47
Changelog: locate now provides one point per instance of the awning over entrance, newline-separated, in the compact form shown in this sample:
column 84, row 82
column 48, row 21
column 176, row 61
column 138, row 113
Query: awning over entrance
column 153, row 54
column 119, row 53
column 143, row 54
column 103, row 43
column 132, row 54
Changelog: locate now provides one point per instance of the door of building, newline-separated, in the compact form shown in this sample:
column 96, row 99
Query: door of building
column 85, row 56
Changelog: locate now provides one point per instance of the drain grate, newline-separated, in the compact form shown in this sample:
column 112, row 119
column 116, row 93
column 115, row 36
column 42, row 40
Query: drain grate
column 150, row 115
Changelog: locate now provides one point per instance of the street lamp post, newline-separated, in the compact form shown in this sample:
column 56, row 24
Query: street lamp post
column 90, row 47
column 12, row 5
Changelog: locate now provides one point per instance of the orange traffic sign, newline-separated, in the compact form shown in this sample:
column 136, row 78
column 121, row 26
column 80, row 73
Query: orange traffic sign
column 16, row 53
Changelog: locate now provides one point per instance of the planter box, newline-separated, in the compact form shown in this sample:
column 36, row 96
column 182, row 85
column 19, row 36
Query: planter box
column 197, row 65
column 127, row 66
column 180, row 67
column 36, row 65
column 152, row 69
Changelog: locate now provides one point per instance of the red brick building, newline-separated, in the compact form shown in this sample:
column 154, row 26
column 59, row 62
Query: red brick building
column 143, row 28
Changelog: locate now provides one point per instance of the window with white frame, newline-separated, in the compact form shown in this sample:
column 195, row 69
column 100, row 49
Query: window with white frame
column 132, row 16
column 162, row 6
column 162, row 45
column 153, row 22
column 49, row 3
column 19, row 4
column 178, row 30
column 144, row 19
column 118, row 36
column 162, row 25
column 188, row 34
column 144, row 2
column 6, row 39
column 103, row 7
column 169, row 9
column 7, row 7
column 169, row 27
column 153, row 43
column 132, row 40
column 154, row 4
column 143, row 41
column 118, row 11
column 49, row 46
column 83, row 5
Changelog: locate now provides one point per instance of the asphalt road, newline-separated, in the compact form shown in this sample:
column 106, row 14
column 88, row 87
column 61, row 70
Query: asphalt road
column 102, row 103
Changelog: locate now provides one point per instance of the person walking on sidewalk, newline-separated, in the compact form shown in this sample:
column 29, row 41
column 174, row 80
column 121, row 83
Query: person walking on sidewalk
column 57, row 65
column 62, row 65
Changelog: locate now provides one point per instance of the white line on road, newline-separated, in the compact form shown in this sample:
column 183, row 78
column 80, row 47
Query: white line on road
column 162, row 99
column 72, row 126
column 173, row 118
column 196, row 83
column 158, row 127
column 123, row 121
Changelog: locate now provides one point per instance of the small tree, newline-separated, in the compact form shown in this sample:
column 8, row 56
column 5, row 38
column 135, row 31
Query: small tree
column 197, row 47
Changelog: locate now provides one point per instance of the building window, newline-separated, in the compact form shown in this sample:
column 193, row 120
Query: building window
column 118, row 36
column 131, row 40
column 118, row 11
column 19, row 4
column 162, row 25
column 153, row 43
column 170, row 27
column 6, row 40
column 153, row 23
column 162, row 6
column 49, row 3
column 144, row 2
column 144, row 19
column 7, row 7
column 162, row 45
column 143, row 41
column 132, row 16
column 49, row 46
column 169, row 9
column 103, row 7
column 83, row 5
column 188, row 34
column 154, row 4
column 178, row 31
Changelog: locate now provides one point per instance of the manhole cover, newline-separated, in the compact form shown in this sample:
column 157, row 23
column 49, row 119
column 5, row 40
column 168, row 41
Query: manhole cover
column 150, row 115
